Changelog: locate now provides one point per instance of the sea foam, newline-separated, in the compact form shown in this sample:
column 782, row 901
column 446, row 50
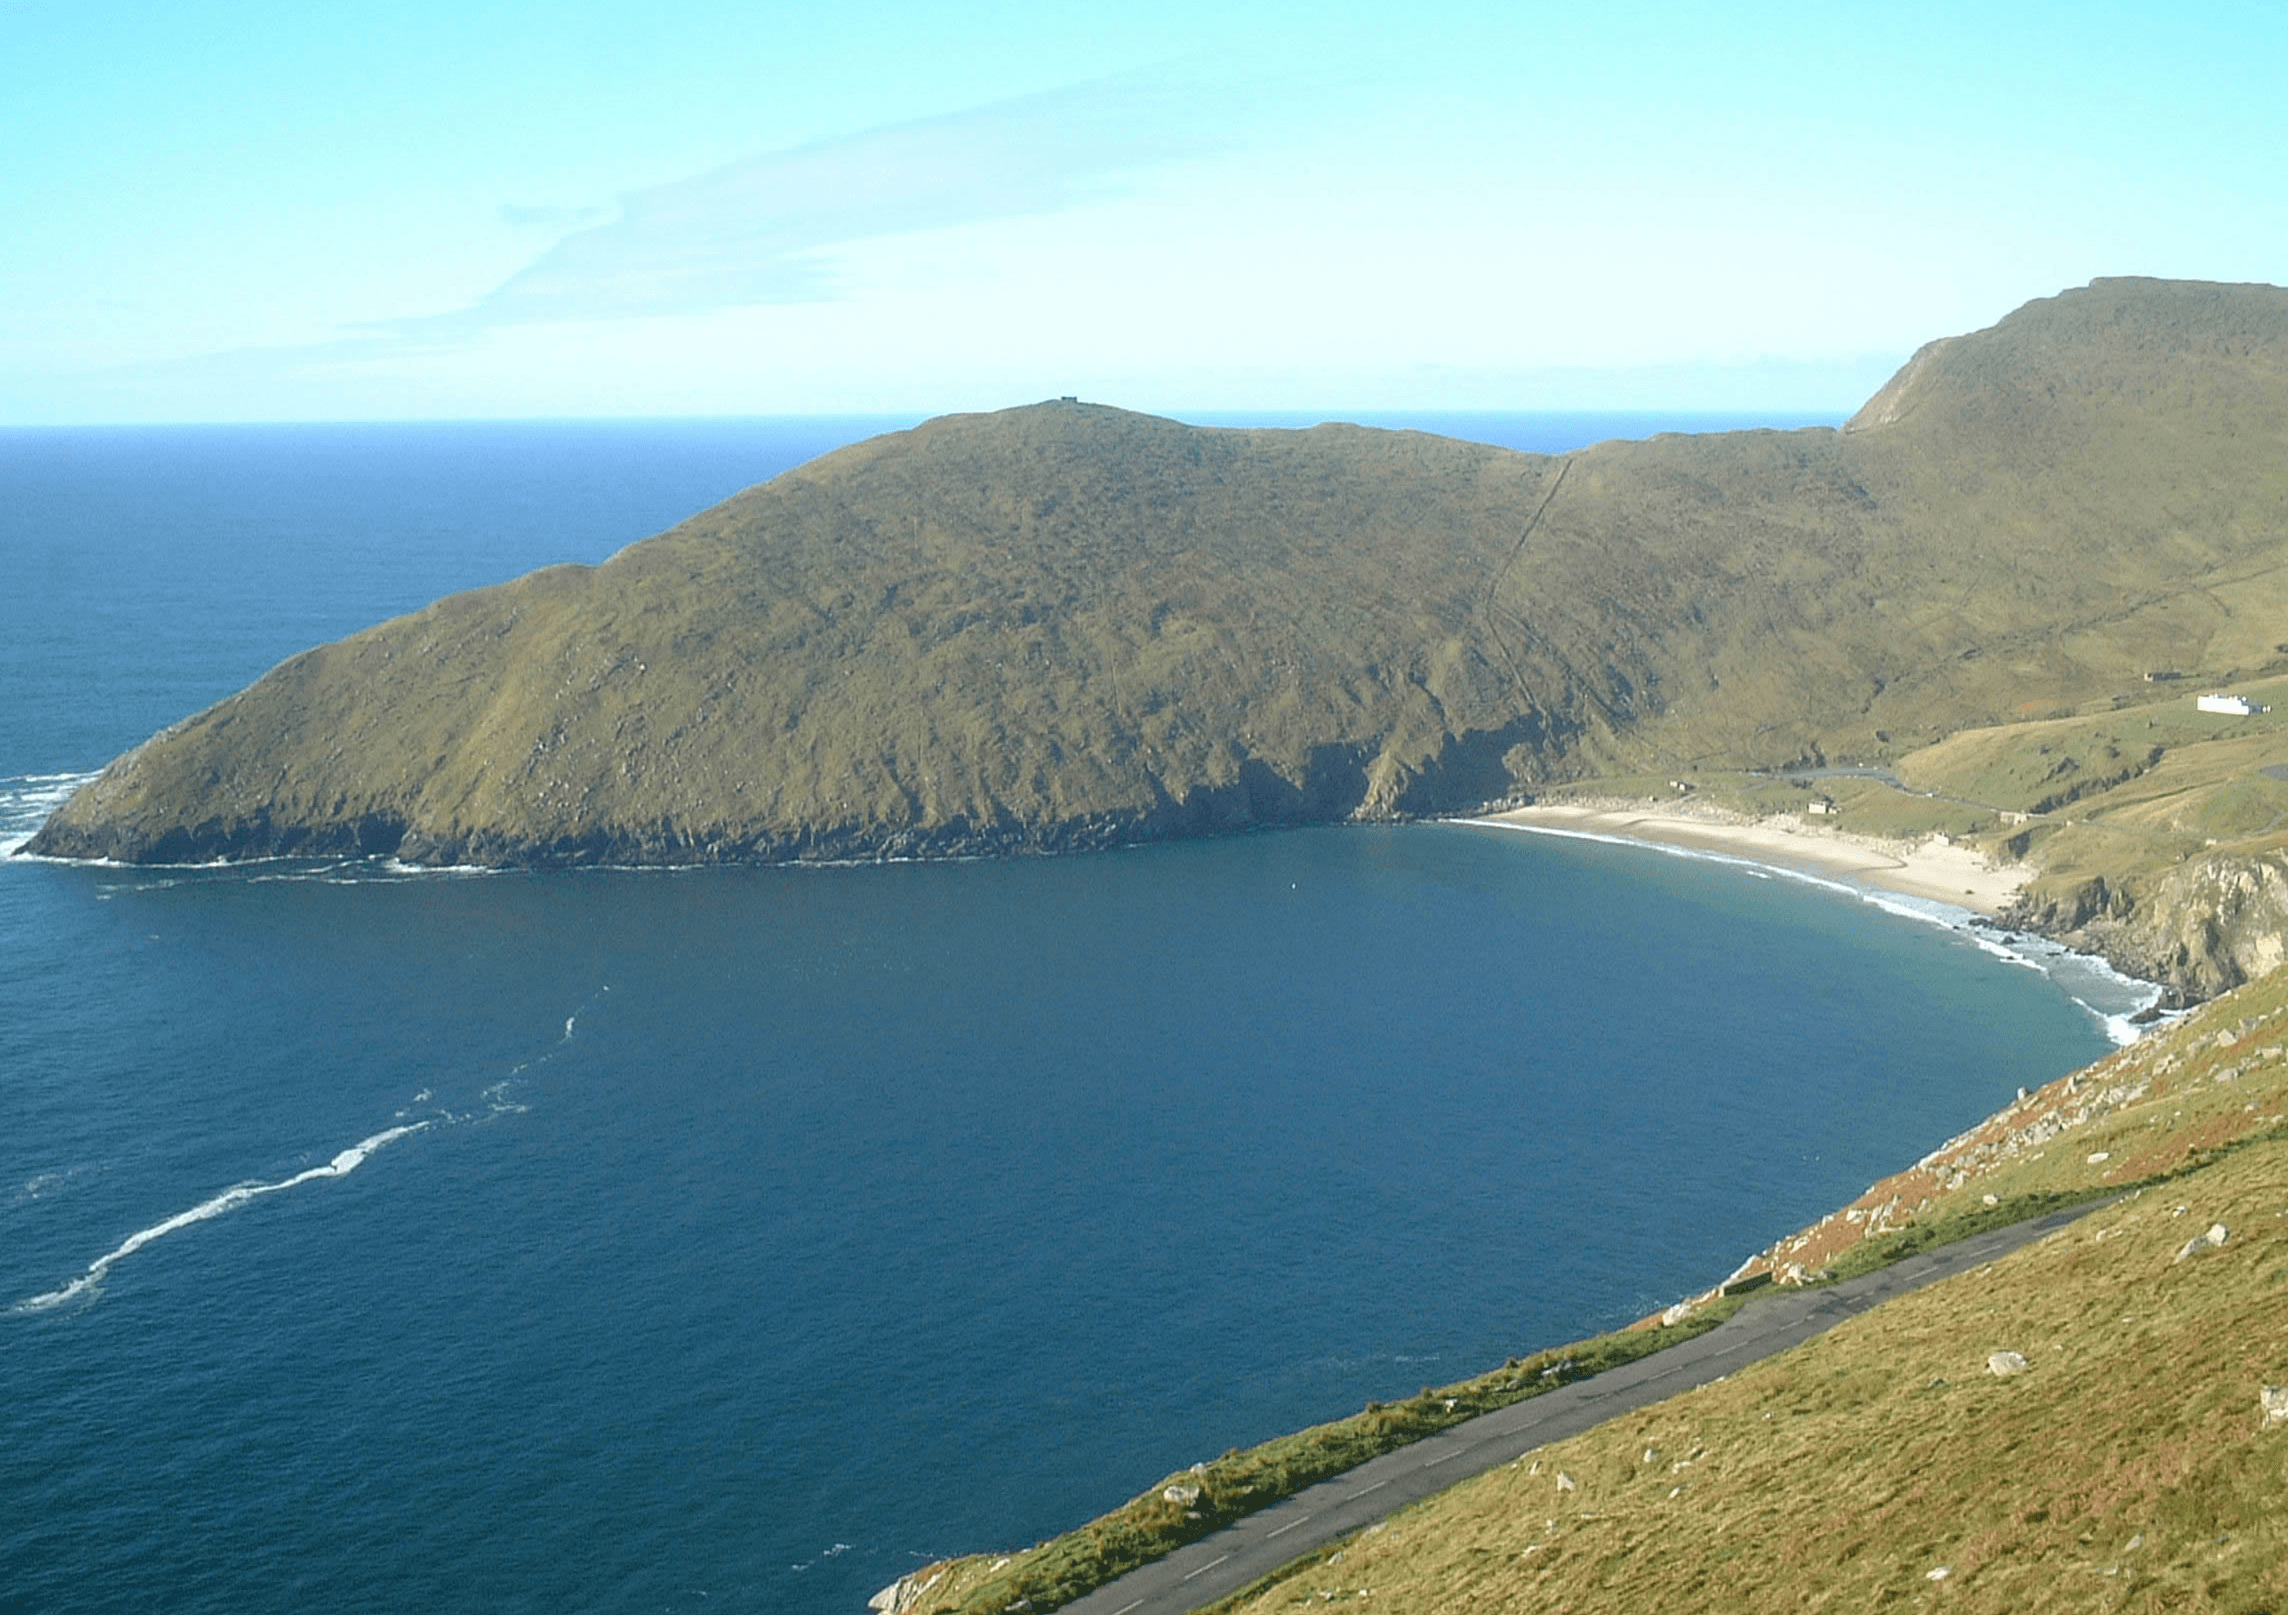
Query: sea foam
column 90, row 1283
column 26, row 800
column 497, row 1102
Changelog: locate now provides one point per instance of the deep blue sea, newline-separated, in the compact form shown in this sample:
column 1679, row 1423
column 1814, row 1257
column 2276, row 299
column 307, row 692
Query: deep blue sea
column 741, row 1239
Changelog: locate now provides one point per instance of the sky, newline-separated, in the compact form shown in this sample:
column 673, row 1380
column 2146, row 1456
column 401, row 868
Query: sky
column 230, row 211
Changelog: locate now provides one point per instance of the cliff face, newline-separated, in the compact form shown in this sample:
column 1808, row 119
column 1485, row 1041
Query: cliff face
column 2202, row 928
column 1068, row 626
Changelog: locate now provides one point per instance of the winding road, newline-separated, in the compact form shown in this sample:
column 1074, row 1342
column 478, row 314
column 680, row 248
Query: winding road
column 1217, row 1566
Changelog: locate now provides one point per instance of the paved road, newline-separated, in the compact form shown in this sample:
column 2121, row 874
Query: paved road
column 1220, row 1565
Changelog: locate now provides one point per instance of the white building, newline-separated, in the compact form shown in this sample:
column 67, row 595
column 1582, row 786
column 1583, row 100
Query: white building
column 2238, row 706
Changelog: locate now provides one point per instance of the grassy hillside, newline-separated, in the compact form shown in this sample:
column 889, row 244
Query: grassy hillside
column 2129, row 1466
column 1062, row 626
column 1068, row 626
column 2150, row 832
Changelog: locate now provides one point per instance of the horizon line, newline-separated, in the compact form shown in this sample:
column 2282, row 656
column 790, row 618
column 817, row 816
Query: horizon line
column 1797, row 416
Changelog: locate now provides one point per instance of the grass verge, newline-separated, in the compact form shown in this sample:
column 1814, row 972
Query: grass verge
column 1155, row 1524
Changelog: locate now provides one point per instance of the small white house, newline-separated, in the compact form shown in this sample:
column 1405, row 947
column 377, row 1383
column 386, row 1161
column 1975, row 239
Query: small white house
column 2237, row 706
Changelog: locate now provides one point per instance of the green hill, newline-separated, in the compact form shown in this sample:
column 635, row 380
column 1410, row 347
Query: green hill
column 1068, row 626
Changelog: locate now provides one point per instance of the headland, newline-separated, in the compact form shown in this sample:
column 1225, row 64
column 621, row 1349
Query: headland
column 1069, row 626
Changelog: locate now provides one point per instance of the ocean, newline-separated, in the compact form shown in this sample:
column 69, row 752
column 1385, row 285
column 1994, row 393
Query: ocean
column 743, row 1239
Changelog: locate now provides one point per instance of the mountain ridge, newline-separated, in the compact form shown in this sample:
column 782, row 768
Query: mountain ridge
column 1068, row 626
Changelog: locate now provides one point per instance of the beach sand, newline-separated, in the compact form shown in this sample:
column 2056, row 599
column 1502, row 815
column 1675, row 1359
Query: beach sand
column 1933, row 868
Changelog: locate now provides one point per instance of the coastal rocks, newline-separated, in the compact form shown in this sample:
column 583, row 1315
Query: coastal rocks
column 2202, row 1244
column 2201, row 929
column 2004, row 1364
column 2058, row 1110
column 905, row 1594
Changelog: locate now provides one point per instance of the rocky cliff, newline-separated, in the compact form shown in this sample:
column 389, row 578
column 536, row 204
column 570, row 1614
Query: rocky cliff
column 2202, row 928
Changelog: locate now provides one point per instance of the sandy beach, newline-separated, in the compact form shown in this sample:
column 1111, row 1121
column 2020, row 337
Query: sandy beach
column 1934, row 868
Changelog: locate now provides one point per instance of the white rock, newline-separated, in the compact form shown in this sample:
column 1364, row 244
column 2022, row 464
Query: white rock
column 2201, row 1244
column 1940, row 1574
column 2002, row 1364
column 905, row 1593
column 2100, row 1155
column 1186, row 1496
column 2274, row 1400
column 1565, row 1482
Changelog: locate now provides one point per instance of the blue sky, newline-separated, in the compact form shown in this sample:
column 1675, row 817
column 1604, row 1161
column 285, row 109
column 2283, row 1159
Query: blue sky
column 234, row 211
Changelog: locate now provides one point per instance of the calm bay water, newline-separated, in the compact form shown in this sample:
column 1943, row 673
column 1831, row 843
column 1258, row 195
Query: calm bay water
column 741, row 1239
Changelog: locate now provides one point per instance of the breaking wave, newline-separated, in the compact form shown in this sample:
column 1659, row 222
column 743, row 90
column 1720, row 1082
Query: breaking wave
column 90, row 1283
column 495, row 1100
column 26, row 800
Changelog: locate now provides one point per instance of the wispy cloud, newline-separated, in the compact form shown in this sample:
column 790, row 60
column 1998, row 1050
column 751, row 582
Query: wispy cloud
column 762, row 230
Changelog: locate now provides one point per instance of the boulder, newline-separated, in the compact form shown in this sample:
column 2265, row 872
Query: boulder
column 2202, row 1244
column 2002, row 1364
